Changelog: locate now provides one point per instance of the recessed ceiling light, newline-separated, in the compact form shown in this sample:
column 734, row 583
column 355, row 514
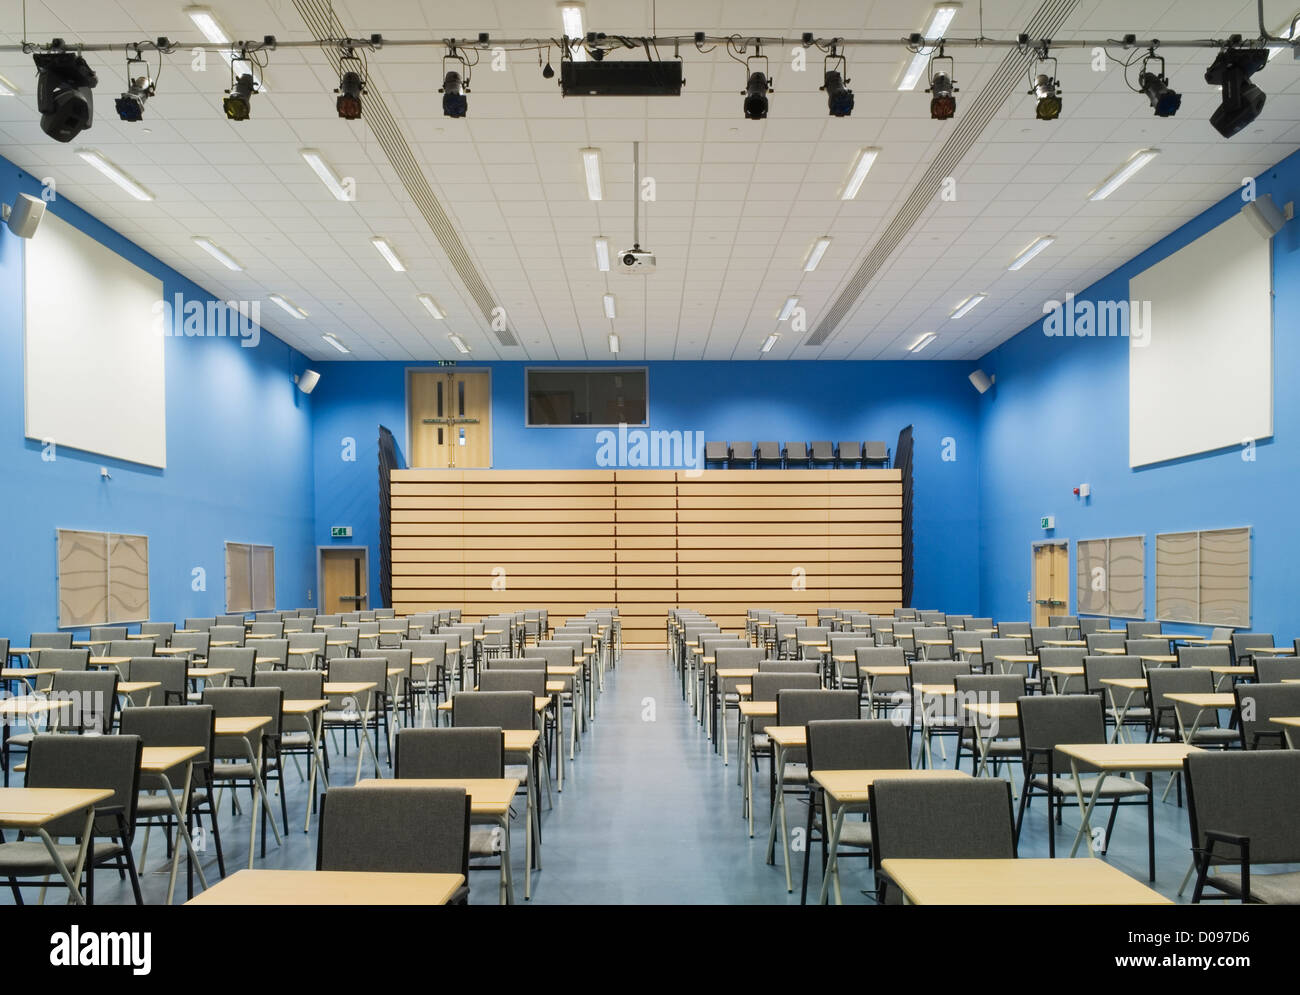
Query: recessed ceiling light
column 431, row 306
column 815, row 254
column 602, row 254
column 329, row 337
column 788, row 309
column 115, row 174
column 1122, row 175
column 571, row 16
column 610, row 311
column 388, row 253
column 7, row 88
column 288, row 305
column 771, row 341
column 459, row 343
column 217, row 252
column 613, row 342
column 940, row 19
column 922, row 342
column 966, row 305
column 330, row 178
column 861, row 166
column 591, row 167
column 1031, row 250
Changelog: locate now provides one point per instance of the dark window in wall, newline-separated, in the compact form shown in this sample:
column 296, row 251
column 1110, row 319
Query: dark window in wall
column 586, row 397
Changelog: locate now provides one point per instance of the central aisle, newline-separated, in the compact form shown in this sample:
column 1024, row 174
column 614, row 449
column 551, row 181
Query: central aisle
column 649, row 814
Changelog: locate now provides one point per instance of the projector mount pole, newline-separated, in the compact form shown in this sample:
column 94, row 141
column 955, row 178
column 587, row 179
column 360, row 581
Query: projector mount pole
column 636, row 196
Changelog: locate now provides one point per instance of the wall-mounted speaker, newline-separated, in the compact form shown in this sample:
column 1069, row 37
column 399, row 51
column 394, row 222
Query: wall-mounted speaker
column 307, row 381
column 1264, row 216
column 24, row 217
column 982, row 381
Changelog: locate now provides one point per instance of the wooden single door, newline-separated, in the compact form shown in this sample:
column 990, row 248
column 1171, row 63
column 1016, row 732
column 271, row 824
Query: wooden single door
column 450, row 419
column 343, row 581
column 1051, row 581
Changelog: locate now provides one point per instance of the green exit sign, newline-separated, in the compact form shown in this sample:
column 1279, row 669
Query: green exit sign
column 1047, row 522
column 341, row 532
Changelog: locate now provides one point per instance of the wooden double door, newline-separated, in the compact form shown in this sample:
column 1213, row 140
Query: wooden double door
column 450, row 419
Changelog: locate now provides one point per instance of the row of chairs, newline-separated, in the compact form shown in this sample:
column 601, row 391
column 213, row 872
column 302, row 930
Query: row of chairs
column 1063, row 715
column 747, row 455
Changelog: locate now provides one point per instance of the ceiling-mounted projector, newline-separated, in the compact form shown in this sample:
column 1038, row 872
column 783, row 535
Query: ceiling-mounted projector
column 637, row 260
column 621, row 78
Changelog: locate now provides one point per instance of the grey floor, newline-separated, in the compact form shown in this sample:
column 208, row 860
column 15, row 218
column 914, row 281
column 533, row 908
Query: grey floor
column 649, row 815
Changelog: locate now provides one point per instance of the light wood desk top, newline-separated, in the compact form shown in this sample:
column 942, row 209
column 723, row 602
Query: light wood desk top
column 19, row 673
column 348, row 687
column 520, row 740
column 565, row 671
column 25, row 650
column 735, row 673
column 91, row 642
column 256, row 886
column 487, row 795
column 29, row 705
column 157, row 759
column 935, row 642
column 133, row 687
column 174, row 650
column 1225, row 668
column 30, row 808
column 302, row 706
column 240, row 725
column 1268, row 651
column 217, row 643
column 109, row 661
column 1204, row 700
column 1109, row 651
column 1021, row 881
column 788, row 736
column 1182, row 637
column 850, row 787
column 1158, row 657
column 1129, row 683
column 539, row 703
column 1128, row 756
column 758, row 709
column 1293, row 721
column 1064, row 642
column 1064, row 671
column 141, row 635
column 262, row 635
column 207, row 673
column 1017, row 657
column 938, row 690
column 994, row 709
column 881, row 670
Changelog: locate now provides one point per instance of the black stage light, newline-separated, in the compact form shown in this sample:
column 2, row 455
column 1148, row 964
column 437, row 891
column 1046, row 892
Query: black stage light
column 63, row 96
column 1164, row 101
column 351, row 86
column 454, row 103
column 839, row 98
column 756, row 97
column 1242, row 100
column 943, row 104
column 239, row 98
column 1049, row 98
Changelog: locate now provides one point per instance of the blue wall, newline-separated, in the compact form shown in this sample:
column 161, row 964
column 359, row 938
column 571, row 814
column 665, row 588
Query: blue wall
column 239, row 459
column 1058, row 417
column 724, row 400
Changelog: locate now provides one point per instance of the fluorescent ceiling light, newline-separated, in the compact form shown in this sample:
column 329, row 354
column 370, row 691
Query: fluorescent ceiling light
column 1125, row 172
column 1031, row 250
column 459, row 343
column 602, row 254
column 591, row 166
column 115, row 174
column 788, row 309
column 938, row 27
column 217, row 252
column 387, row 252
column 329, row 337
column 965, row 306
column 288, row 305
column 861, row 166
column 431, row 306
column 613, row 342
column 609, row 306
column 815, row 255
column 922, row 342
column 771, row 341
column 8, row 88
column 327, row 175
column 571, row 15
column 215, row 33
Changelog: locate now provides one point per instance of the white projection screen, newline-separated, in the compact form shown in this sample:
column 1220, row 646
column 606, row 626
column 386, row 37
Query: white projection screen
column 1204, row 379
column 94, row 357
